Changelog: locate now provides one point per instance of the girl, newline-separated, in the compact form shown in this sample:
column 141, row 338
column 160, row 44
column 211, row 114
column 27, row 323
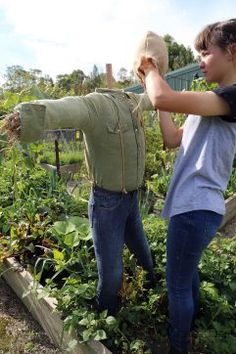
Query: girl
column 195, row 202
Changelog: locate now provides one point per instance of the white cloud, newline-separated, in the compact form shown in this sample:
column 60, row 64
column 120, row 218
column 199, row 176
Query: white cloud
column 75, row 34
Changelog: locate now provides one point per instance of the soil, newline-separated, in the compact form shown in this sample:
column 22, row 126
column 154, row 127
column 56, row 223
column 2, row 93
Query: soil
column 229, row 230
column 21, row 334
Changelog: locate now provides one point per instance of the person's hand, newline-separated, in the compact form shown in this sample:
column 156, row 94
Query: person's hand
column 11, row 126
column 146, row 64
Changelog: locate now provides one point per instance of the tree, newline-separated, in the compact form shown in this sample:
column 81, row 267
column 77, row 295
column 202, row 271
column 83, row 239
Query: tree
column 71, row 82
column 122, row 74
column 95, row 77
column 179, row 55
column 18, row 79
column 93, row 81
column 125, row 78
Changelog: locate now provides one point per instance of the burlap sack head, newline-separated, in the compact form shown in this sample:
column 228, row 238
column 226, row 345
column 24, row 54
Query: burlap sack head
column 152, row 46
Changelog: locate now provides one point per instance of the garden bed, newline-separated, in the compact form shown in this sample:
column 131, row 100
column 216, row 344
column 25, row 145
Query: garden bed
column 64, row 169
column 43, row 309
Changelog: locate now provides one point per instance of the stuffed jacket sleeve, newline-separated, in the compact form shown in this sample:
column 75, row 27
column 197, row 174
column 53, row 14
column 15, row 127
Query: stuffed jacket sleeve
column 41, row 115
column 142, row 101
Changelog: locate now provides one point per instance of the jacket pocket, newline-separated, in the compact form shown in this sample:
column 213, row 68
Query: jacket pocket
column 115, row 128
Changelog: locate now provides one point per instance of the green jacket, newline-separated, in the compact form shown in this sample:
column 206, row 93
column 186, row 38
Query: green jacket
column 111, row 122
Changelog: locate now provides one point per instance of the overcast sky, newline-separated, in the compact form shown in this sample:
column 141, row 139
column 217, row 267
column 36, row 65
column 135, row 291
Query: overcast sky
column 58, row 36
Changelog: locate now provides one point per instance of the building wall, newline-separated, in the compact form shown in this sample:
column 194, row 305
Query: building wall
column 179, row 80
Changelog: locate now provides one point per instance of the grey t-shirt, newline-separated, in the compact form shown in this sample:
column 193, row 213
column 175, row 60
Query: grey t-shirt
column 204, row 163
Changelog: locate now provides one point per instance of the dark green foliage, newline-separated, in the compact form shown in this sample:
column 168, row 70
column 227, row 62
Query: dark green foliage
column 179, row 55
column 47, row 230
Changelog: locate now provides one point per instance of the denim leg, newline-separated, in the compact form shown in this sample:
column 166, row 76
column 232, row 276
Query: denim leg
column 196, row 296
column 136, row 241
column 107, row 218
column 188, row 235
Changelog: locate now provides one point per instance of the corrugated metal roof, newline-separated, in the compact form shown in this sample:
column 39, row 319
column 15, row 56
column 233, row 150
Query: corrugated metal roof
column 179, row 79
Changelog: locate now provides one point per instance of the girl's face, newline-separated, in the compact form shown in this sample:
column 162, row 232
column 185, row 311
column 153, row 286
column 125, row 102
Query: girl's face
column 217, row 65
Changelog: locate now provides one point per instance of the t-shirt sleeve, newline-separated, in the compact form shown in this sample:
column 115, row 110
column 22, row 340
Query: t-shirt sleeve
column 228, row 93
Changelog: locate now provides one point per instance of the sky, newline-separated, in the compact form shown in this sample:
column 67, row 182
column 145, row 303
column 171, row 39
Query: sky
column 59, row 36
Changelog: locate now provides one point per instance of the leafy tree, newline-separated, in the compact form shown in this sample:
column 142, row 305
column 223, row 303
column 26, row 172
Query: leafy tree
column 71, row 82
column 125, row 79
column 179, row 55
column 95, row 77
column 18, row 79
column 122, row 74
column 93, row 81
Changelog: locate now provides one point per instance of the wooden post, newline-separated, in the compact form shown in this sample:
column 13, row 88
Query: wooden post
column 57, row 158
column 109, row 75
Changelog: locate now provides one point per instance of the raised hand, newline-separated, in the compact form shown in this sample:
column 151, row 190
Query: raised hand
column 11, row 126
column 145, row 65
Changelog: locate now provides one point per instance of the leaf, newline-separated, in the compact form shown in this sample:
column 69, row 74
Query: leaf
column 42, row 294
column 57, row 255
column 111, row 321
column 30, row 247
column 100, row 334
column 71, row 345
column 72, row 239
column 78, row 221
column 137, row 345
column 83, row 322
column 217, row 326
column 82, row 226
column 63, row 227
column 84, row 236
column 232, row 286
column 86, row 335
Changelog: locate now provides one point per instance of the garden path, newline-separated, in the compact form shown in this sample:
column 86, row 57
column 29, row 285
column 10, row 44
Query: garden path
column 19, row 332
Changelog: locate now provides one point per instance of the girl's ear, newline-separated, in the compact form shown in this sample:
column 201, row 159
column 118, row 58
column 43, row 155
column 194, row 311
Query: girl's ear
column 232, row 51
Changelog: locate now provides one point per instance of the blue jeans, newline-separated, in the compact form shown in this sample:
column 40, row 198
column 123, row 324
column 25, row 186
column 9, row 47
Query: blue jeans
column 115, row 222
column 188, row 235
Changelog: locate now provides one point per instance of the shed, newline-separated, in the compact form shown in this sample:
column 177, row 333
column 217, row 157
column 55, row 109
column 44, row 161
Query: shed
column 179, row 79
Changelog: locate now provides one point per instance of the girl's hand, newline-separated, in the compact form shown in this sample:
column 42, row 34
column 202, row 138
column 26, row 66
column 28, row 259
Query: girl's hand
column 146, row 65
column 11, row 126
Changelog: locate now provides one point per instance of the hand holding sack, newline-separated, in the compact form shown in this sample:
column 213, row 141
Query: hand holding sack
column 152, row 51
column 11, row 126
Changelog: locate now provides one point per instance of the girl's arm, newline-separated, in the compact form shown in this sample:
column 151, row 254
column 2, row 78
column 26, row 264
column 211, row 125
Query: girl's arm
column 172, row 135
column 166, row 99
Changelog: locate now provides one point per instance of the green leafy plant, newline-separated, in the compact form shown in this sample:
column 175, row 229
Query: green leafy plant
column 47, row 230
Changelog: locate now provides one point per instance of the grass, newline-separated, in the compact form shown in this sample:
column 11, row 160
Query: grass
column 66, row 158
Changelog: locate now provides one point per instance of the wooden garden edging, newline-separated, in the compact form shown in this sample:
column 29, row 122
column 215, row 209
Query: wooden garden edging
column 64, row 169
column 230, row 206
column 43, row 309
